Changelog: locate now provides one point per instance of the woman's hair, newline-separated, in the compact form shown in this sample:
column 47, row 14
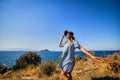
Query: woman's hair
column 72, row 35
column 73, row 38
column 65, row 32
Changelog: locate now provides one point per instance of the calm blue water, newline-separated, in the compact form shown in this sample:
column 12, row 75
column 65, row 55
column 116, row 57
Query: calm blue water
column 9, row 57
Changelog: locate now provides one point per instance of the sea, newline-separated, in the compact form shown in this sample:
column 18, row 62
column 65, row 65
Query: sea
column 9, row 57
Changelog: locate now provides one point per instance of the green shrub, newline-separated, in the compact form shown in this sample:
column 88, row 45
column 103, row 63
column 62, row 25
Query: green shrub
column 77, row 57
column 26, row 59
column 48, row 68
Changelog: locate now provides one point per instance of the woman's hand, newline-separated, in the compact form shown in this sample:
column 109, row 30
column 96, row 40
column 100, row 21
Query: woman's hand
column 96, row 58
column 63, row 34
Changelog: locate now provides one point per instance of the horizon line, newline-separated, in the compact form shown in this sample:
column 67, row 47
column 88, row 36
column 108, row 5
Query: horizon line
column 61, row 50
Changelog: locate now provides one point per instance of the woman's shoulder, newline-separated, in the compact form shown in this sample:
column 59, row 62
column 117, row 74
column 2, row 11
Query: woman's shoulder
column 75, row 41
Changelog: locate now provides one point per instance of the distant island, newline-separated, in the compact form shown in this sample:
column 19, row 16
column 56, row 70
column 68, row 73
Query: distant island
column 45, row 50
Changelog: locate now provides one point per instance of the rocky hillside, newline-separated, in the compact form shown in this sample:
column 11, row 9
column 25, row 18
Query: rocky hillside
column 106, row 69
column 85, row 69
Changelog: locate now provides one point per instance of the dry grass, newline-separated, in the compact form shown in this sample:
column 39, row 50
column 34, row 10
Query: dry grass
column 27, row 73
column 83, row 70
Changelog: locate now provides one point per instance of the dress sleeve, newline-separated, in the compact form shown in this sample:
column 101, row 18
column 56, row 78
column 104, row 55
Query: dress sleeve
column 76, row 44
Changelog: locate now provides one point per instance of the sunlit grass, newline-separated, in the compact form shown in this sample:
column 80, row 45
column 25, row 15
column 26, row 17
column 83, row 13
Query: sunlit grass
column 107, row 68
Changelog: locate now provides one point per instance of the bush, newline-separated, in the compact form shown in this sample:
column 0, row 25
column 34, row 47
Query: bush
column 48, row 68
column 3, row 69
column 115, row 67
column 26, row 59
column 77, row 57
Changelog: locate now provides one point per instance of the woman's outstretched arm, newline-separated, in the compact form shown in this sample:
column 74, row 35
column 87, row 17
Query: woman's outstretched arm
column 87, row 53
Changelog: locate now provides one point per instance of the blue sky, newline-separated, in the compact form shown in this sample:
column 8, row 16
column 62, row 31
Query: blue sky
column 39, row 24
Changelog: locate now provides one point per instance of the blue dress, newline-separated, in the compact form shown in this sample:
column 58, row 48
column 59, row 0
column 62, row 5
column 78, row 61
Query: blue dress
column 68, row 56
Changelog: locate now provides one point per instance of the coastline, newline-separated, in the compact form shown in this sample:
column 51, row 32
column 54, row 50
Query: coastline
column 9, row 57
column 85, row 69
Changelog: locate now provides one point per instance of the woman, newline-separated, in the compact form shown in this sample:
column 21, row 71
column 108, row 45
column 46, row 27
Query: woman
column 68, row 55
